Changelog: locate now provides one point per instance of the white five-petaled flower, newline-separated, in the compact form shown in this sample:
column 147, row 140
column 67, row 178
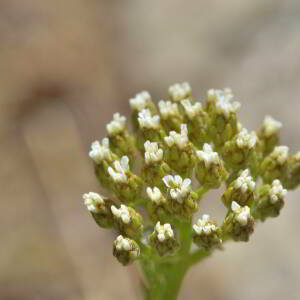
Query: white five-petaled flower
column 204, row 226
column 122, row 244
column 245, row 182
column 277, row 191
column 118, row 174
column 163, row 232
column 179, row 188
column 280, row 153
column 100, row 152
column 208, row 156
column 93, row 201
column 146, row 120
column 117, row 124
column 242, row 214
column 121, row 213
column 223, row 101
column 180, row 91
column 168, row 109
column 152, row 153
column 180, row 139
column 245, row 139
column 140, row 101
column 191, row 109
column 271, row 126
column 155, row 195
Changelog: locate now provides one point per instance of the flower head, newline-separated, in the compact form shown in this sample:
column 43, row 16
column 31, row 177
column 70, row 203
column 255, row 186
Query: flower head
column 168, row 109
column 100, row 152
column 271, row 126
column 180, row 91
column 280, row 153
column 146, row 120
column 93, row 201
column 208, row 156
column 163, row 232
column 180, row 139
column 246, row 140
column 191, row 110
column 152, row 153
column 140, row 101
column 277, row 191
column 155, row 195
column 223, row 101
column 204, row 226
column 242, row 214
column 118, row 174
column 117, row 125
column 179, row 188
column 122, row 213
column 245, row 182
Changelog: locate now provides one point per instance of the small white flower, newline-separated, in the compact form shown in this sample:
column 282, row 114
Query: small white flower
column 297, row 156
column 152, row 152
column 140, row 101
column 280, row 153
column 117, row 125
column 146, row 120
column 180, row 139
column 223, row 101
column 118, row 174
column 242, row 214
column 191, row 110
column 168, row 109
column 122, row 244
column 155, row 195
column 246, row 140
column 277, row 191
column 204, row 226
column 163, row 232
column 121, row 213
column 93, row 201
column 100, row 152
column 180, row 91
column 245, row 182
column 271, row 126
column 179, row 188
column 208, row 156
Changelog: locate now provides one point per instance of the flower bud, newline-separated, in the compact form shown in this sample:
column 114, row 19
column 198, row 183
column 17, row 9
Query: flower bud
column 210, row 170
column 206, row 233
column 125, row 250
column 270, row 201
column 163, row 239
column 239, row 223
column 170, row 115
column 180, row 91
column 128, row 221
column 291, row 178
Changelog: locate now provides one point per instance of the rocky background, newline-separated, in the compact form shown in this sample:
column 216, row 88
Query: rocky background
column 65, row 67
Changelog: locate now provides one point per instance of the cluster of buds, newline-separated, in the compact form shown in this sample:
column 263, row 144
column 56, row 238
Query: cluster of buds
column 178, row 140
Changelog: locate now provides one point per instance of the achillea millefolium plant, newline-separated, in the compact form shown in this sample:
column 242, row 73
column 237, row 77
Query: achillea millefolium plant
column 157, row 174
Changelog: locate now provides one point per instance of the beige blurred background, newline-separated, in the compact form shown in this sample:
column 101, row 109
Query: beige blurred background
column 65, row 67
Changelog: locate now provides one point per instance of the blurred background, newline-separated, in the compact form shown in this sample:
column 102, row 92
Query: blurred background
column 65, row 67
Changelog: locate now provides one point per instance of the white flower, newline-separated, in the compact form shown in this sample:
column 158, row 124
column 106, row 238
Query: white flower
column 140, row 101
column 122, row 244
column 245, row 182
column 117, row 125
column 204, row 226
column 152, row 152
column 222, row 99
column 180, row 139
column 155, row 195
column 297, row 156
column 163, row 232
column 93, row 201
column 242, row 214
column 179, row 188
column 121, row 213
column 191, row 109
column 168, row 109
column 100, row 152
column 246, row 140
column 271, row 126
column 208, row 156
column 180, row 91
column 118, row 174
column 277, row 191
column 147, row 121
column 280, row 153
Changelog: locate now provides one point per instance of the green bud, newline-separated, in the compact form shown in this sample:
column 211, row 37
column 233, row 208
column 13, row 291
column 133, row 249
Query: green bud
column 291, row 178
column 125, row 250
